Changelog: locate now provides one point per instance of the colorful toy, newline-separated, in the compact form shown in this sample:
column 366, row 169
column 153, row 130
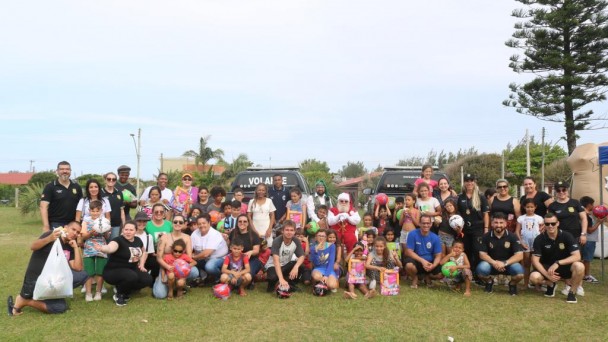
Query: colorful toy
column 127, row 196
column 381, row 199
column 389, row 282
column 320, row 289
column 283, row 292
column 600, row 211
column 356, row 271
column 181, row 268
column 399, row 214
column 102, row 225
column 221, row 291
column 456, row 222
column 215, row 217
column 445, row 269
column 313, row 228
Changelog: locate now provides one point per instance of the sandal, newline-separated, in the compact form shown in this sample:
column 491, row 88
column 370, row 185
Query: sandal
column 10, row 305
column 349, row 295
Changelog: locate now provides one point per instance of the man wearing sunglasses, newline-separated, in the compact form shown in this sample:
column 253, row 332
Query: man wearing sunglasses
column 557, row 257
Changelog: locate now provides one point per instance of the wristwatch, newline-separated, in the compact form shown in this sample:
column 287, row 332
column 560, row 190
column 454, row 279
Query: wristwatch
column 583, row 234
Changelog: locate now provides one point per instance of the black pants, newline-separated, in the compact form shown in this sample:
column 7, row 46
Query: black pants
column 127, row 280
column 152, row 265
column 472, row 241
column 273, row 278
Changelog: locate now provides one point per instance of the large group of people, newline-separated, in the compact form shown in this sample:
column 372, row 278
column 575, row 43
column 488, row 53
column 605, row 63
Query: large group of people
column 284, row 237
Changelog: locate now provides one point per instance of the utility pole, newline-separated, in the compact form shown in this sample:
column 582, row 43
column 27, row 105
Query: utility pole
column 32, row 165
column 542, row 164
column 527, row 154
column 138, row 153
column 161, row 163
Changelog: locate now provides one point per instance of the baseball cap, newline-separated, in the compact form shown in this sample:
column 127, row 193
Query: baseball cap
column 562, row 184
column 469, row 177
column 123, row 168
column 141, row 216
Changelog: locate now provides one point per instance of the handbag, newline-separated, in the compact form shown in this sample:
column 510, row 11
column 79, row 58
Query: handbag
column 55, row 280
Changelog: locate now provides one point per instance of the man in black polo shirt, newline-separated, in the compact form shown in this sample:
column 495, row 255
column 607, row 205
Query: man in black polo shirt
column 279, row 195
column 59, row 199
column 500, row 253
column 123, row 184
column 556, row 257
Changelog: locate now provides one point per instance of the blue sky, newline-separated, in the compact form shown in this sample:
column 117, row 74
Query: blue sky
column 281, row 81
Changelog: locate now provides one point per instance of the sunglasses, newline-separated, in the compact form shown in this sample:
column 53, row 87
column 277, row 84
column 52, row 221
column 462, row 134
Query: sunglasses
column 502, row 187
column 178, row 222
column 109, row 179
column 187, row 179
column 343, row 201
column 159, row 212
column 561, row 190
column 551, row 224
column 178, row 251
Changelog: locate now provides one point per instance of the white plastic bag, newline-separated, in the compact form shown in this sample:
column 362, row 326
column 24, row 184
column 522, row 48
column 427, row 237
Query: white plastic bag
column 55, row 281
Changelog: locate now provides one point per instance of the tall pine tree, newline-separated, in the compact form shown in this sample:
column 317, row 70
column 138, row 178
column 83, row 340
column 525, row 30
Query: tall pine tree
column 564, row 45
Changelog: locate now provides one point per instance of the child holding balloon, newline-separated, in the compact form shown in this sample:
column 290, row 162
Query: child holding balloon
column 236, row 269
column 180, row 264
column 456, row 267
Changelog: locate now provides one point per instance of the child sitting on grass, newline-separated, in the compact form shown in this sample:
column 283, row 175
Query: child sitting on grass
column 235, row 271
column 462, row 263
column 178, row 252
column 306, row 266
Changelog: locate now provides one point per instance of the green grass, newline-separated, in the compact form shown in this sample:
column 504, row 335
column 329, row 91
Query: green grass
column 422, row 314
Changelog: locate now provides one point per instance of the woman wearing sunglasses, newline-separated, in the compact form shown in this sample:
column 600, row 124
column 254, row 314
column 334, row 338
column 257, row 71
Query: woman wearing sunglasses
column 165, row 243
column 251, row 243
column 569, row 212
column 184, row 196
column 154, row 198
column 114, row 196
column 505, row 203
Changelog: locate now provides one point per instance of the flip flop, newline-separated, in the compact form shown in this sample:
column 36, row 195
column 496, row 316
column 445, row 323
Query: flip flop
column 10, row 304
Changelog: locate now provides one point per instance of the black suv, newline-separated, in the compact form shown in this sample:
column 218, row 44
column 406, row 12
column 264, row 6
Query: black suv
column 249, row 179
column 398, row 181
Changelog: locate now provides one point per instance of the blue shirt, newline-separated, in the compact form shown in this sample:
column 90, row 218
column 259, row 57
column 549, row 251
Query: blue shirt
column 425, row 247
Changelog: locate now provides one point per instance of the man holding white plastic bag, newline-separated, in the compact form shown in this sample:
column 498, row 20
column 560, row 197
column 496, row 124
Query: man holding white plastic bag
column 41, row 249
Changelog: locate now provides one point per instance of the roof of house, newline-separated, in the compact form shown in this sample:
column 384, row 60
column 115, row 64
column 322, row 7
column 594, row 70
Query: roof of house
column 15, row 178
column 358, row 180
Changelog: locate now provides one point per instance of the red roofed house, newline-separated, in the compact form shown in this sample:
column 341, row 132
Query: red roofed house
column 15, row 178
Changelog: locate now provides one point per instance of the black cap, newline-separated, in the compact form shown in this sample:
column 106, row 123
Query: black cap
column 123, row 168
column 141, row 216
column 469, row 177
column 562, row 184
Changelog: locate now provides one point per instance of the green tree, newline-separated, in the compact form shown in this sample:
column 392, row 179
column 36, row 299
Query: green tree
column 82, row 180
column 515, row 159
column 240, row 163
column 204, row 153
column 564, row 44
column 314, row 170
column 558, row 170
column 29, row 198
column 43, row 177
column 353, row 169
column 486, row 167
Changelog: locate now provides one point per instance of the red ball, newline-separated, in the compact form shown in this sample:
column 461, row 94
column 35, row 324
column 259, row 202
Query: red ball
column 600, row 211
column 221, row 291
column 381, row 199
column 181, row 268
column 215, row 216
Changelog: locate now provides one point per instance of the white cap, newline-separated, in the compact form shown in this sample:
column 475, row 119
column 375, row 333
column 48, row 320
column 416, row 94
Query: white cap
column 344, row 197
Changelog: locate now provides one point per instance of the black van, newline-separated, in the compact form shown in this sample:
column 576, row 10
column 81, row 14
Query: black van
column 398, row 181
column 249, row 179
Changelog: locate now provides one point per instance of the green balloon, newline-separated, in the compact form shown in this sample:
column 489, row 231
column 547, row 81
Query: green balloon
column 445, row 269
column 314, row 228
column 399, row 214
column 127, row 195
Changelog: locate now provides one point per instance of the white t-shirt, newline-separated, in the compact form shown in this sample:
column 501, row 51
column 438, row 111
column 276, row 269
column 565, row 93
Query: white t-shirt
column 148, row 242
column 261, row 214
column 166, row 194
column 530, row 226
column 212, row 240
column 428, row 205
column 83, row 206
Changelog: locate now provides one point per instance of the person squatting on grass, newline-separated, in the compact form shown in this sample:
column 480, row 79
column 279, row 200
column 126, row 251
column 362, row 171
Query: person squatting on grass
column 41, row 248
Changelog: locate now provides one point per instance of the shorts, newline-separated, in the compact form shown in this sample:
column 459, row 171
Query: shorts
column 420, row 269
column 238, row 281
column 94, row 265
column 56, row 306
column 564, row 271
column 324, row 272
column 528, row 240
column 446, row 239
column 588, row 251
column 305, row 274
column 403, row 237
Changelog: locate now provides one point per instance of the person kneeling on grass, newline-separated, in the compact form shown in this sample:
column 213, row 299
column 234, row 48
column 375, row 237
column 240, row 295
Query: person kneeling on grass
column 356, row 273
column 462, row 265
column 41, row 249
column 557, row 257
column 287, row 257
column 236, row 269
column 423, row 253
column 178, row 251
column 500, row 252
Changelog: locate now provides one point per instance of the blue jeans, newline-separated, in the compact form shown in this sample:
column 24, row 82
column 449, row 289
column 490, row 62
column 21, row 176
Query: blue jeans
column 79, row 278
column 213, row 266
column 255, row 266
column 114, row 232
column 56, row 224
column 160, row 289
column 484, row 269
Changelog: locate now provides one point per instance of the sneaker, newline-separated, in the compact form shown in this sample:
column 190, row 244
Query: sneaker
column 489, row 287
column 104, row 290
column 88, row 297
column 83, row 290
column 566, row 290
column 571, row 298
column 372, row 284
column 119, row 299
column 97, row 296
column 580, row 291
column 551, row 290
column 513, row 290
column 591, row 279
column 480, row 283
column 334, row 290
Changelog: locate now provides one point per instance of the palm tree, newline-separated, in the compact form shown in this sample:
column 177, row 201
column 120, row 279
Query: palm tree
column 241, row 163
column 205, row 153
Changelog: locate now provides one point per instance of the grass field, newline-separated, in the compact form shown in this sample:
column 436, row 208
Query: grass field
column 414, row 315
